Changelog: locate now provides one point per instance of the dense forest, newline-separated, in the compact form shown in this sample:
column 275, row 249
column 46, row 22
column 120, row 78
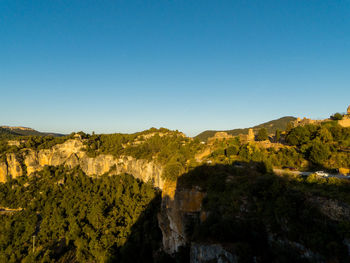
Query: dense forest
column 76, row 218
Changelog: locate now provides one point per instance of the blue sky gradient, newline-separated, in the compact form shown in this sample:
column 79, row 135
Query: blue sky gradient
column 126, row 66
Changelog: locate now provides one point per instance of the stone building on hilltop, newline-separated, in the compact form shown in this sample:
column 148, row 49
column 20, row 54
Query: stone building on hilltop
column 304, row 121
column 345, row 122
column 219, row 136
column 250, row 137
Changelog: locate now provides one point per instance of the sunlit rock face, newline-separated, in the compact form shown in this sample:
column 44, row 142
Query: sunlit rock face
column 14, row 167
column 71, row 154
column 3, row 172
column 180, row 208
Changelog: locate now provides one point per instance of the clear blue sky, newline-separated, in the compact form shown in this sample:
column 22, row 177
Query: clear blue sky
column 126, row 66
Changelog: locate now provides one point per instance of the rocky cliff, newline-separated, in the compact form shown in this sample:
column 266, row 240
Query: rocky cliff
column 246, row 218
column 181, row 206
column 72, row 154
column 180, row 209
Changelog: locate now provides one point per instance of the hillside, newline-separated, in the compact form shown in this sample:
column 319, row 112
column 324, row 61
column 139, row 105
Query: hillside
column 271, row 127
column 24, row 131
column 101, row 197
column 7, row 132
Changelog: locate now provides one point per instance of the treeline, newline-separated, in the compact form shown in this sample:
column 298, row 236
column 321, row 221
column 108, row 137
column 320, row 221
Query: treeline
column 233, row 150
column 326, row 146
column 76, row 218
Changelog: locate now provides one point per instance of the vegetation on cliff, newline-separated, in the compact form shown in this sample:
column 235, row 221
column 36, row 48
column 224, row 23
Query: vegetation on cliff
column 31, row 142
column 169, row 148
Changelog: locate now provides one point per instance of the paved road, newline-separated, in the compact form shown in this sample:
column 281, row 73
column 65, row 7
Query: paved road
column 285, row 171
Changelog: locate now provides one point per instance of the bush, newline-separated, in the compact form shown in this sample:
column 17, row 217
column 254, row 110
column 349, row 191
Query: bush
column 262, row 135
column 337, row 116
column 172, row 171
column 319, row 152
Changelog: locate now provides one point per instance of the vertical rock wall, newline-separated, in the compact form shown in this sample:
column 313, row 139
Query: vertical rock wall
column 180, row 208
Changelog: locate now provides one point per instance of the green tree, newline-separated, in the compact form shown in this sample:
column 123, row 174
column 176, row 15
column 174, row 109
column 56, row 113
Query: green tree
column 337, row 116
column 232, row 150
column 172, row 171
column 319, row 152
column 324, row 135
column 301, row 135
column 289, row 126
column 262, row 135
column 277, row 135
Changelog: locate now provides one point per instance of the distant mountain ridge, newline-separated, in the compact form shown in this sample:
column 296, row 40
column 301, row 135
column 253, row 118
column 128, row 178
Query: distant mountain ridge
column 25, row 131
column 17, row 128
column 271, row 127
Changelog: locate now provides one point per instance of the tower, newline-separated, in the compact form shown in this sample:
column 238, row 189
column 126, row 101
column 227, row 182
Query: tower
column 251, row 136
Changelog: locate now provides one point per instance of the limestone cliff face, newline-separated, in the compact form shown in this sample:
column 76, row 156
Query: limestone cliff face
column 180, row 209
column 345, row 122
column 3, row 172
column 71, row 154
column 13, row 165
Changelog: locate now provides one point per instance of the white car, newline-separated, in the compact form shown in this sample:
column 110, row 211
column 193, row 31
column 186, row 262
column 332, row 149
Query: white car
column 321, row 173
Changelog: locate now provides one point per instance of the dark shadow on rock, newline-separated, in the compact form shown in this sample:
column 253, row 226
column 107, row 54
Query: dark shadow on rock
column 241, row 212
column 256, row 216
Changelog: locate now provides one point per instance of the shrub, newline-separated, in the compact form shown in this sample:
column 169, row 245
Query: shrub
column 262, row 135
column 172, row 171
column 337, row 116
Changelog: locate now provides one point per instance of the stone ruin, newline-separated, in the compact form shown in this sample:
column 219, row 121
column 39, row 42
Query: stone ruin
column 345, row 122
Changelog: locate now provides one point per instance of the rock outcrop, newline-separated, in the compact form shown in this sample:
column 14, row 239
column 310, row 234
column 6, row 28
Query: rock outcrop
column 3, row 172
column 72, row 154
column 345, row 122
column 333, row 209
column 207, row 253
column 180, row 209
